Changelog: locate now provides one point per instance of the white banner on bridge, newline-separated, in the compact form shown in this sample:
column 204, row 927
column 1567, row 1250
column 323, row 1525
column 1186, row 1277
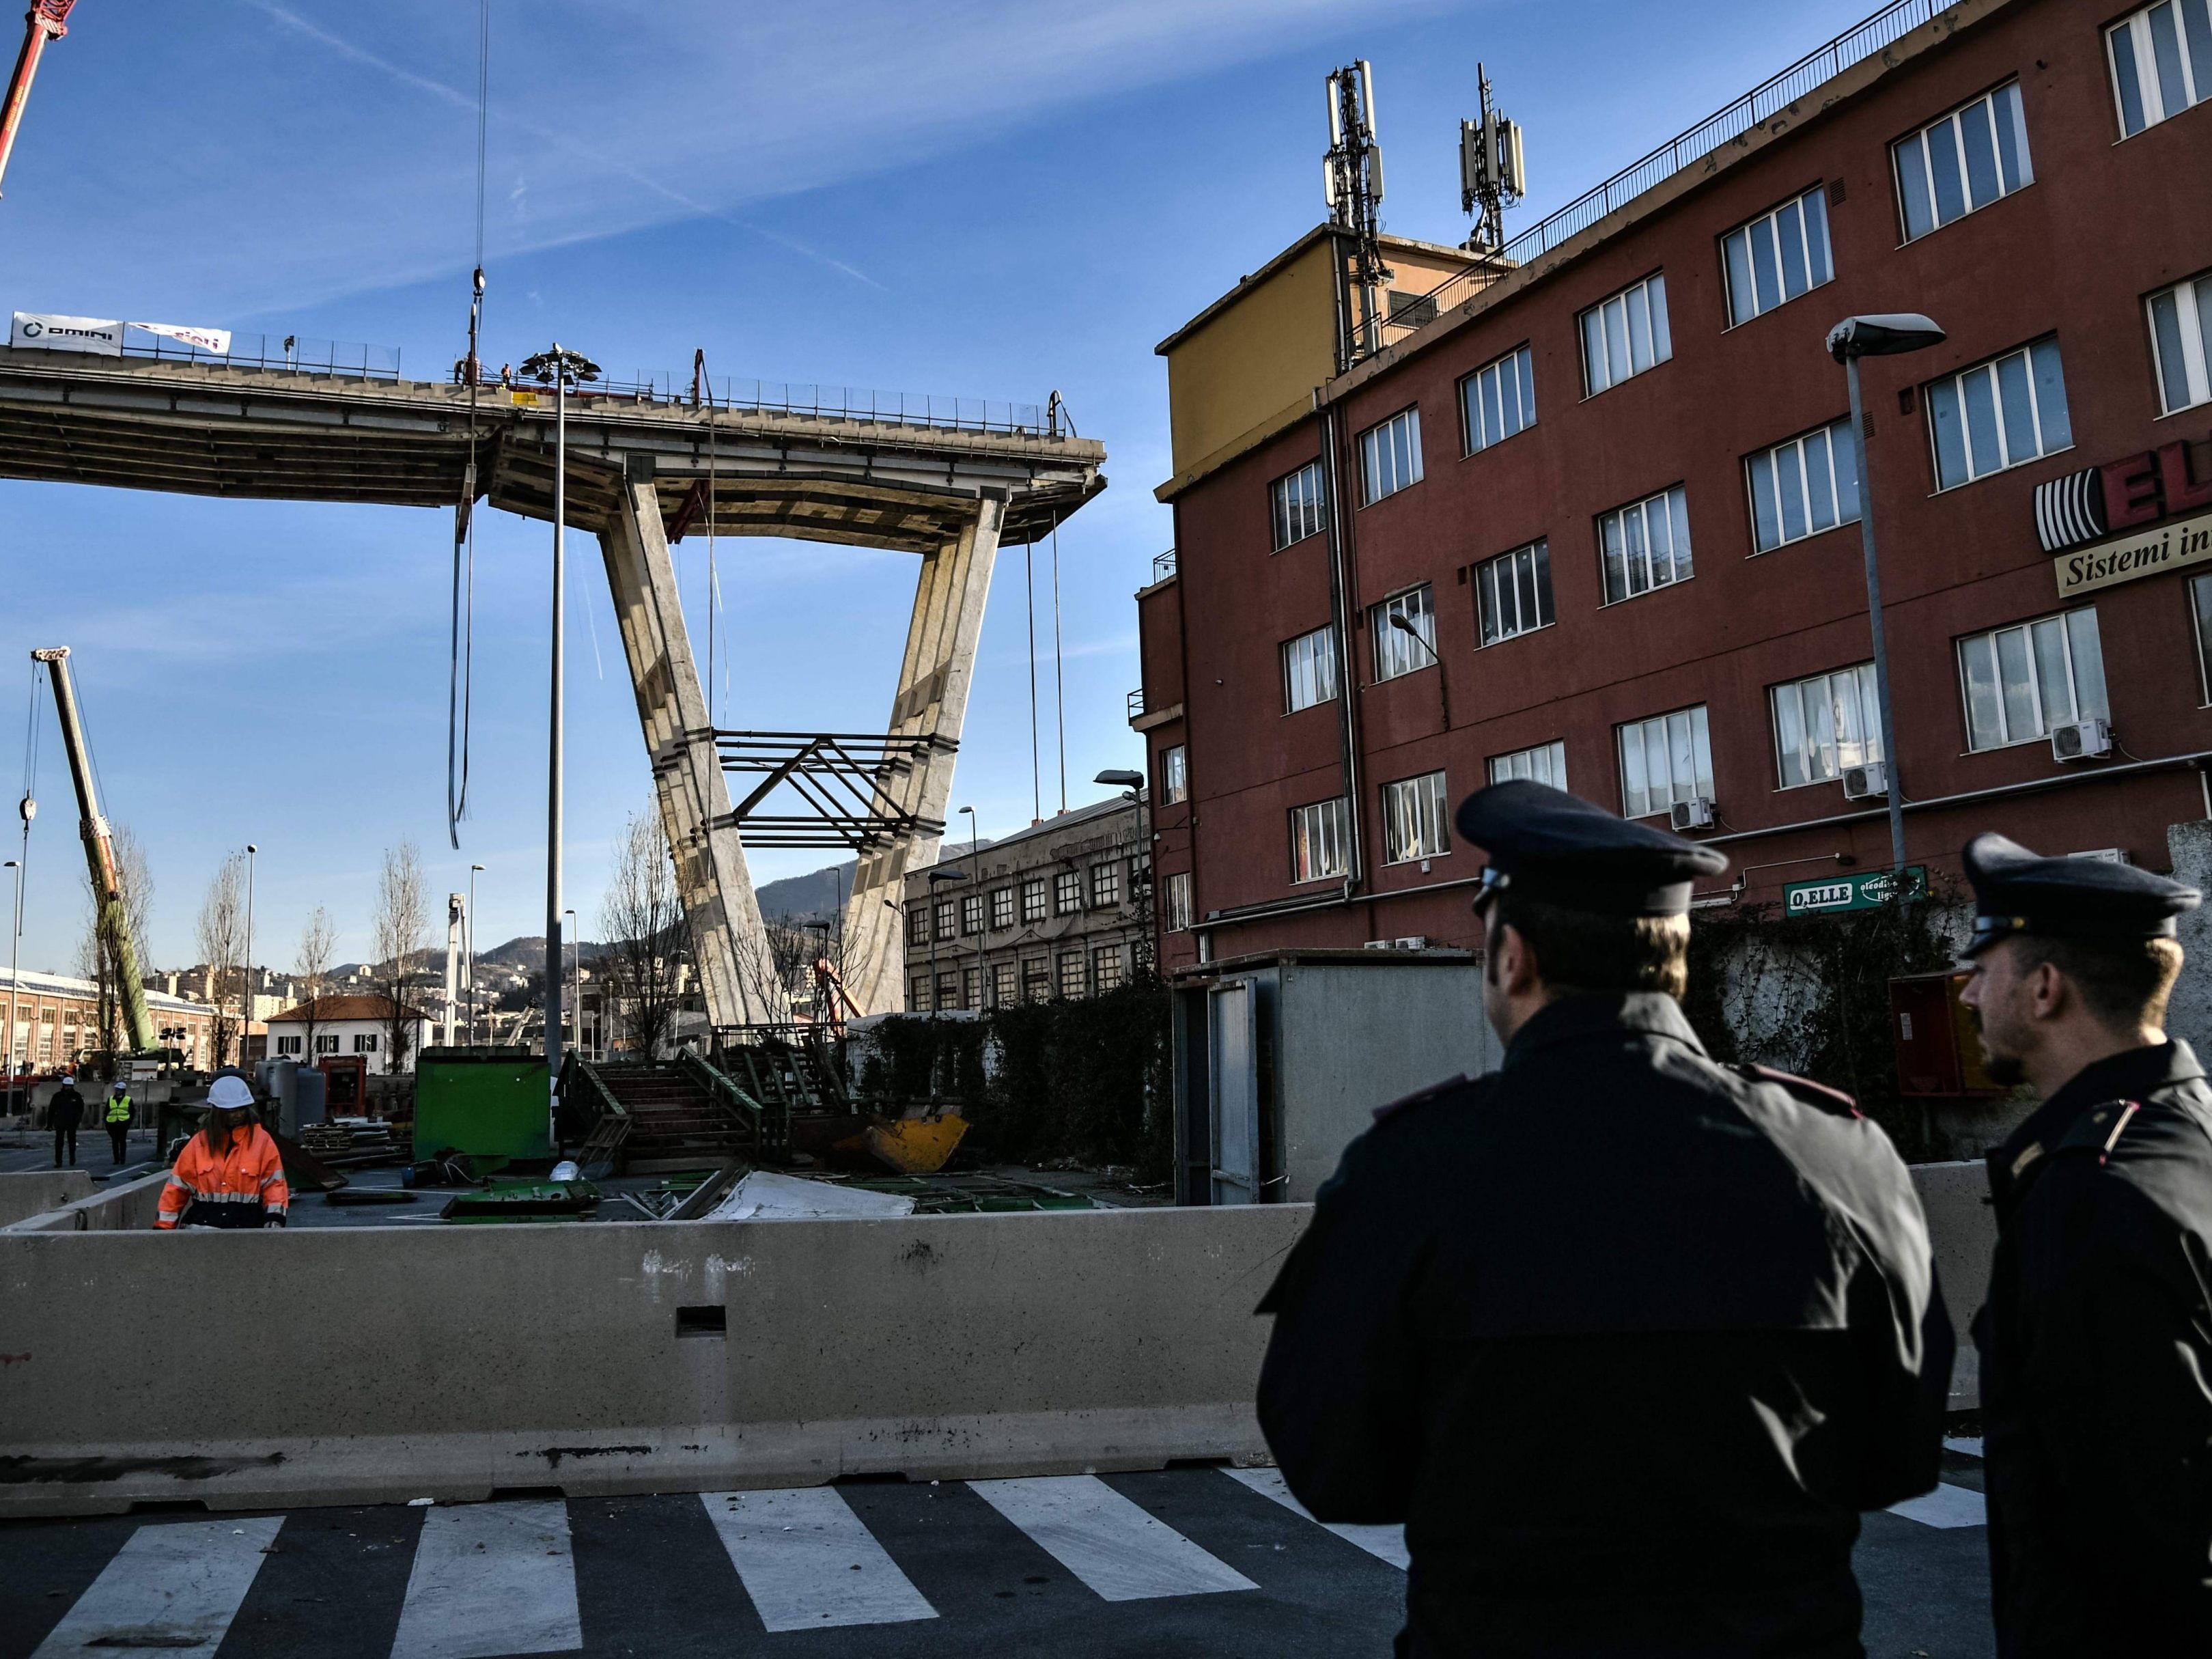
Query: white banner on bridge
column 216, row 340
column 55, row 333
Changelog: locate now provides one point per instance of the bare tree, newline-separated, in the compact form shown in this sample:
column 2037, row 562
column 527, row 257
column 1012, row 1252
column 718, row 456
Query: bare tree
column 402, row 926
column 98, row 958
column 318, row 943
column 221, row 936
column 642, row 920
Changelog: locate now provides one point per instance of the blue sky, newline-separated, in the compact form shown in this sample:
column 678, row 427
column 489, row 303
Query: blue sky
column 982, row 197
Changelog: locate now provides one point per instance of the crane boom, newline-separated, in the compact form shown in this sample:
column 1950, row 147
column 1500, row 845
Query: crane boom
column 48, row 21
column 113, row 916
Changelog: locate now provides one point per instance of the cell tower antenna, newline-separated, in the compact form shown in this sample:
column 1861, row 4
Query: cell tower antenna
column 1352, row 183
column 1493, row 173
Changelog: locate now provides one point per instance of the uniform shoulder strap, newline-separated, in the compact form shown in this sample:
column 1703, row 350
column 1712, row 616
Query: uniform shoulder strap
column 1421, row 1097
column 1803, row 1089
column 2098, row 1129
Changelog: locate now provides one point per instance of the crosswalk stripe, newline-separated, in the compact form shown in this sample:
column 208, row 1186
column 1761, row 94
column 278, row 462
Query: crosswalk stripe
column 1384, row 1543
column 174, row 1587
column 1947, row 1506
column 1108, row 1542
column 491, row 1578
column 808, row 1562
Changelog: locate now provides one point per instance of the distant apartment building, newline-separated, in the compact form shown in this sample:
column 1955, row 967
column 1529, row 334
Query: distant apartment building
column 1062, row 909
column 51, row 1019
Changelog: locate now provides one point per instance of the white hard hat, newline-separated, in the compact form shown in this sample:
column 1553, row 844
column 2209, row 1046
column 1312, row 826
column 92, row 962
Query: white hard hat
column 229, row 1094
column 67, row 1080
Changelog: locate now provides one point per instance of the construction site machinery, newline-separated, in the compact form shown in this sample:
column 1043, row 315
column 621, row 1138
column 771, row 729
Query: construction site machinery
column 112, row 916
column 48, row 21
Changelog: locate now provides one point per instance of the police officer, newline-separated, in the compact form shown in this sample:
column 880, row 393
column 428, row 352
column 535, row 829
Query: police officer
column 1626, row 1338
column 2097, row 1340
column 118, row 1118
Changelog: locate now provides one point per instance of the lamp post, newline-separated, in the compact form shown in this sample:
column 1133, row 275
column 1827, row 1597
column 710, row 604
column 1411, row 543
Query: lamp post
column 576, row 981
column 245, row 982
column 982, row 920
column 1404, row 625
column 564, row 369
column 15, row 972
column 1855, row 338
column 935, row 1000
column 1132, row 784
column 470, row 923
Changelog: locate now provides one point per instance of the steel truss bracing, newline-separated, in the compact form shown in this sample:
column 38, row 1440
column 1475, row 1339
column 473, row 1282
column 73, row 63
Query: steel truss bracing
column 847, row 782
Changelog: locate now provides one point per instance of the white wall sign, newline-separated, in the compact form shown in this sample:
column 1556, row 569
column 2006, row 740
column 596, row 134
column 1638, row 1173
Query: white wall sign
column 44, row 331
column 216, row 340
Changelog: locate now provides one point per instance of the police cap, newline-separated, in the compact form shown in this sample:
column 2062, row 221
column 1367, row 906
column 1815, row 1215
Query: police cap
column 2017, row 892
column 1548, row 845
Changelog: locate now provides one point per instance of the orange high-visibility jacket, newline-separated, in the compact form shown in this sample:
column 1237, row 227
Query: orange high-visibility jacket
column 248, row 1171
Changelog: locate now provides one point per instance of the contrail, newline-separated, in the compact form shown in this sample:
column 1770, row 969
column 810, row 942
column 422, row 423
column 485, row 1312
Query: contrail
column 438, row 89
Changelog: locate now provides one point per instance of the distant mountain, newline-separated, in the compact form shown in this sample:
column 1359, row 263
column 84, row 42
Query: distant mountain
column 812, row 897
column 529, row 951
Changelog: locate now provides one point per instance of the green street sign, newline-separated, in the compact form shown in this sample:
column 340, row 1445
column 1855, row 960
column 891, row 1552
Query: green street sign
column 1868, row 892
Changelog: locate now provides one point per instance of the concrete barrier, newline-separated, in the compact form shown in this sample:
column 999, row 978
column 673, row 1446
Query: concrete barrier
column 365, row 1366
column 131, row 1207
column 29, row 1192
column 1964, row 1230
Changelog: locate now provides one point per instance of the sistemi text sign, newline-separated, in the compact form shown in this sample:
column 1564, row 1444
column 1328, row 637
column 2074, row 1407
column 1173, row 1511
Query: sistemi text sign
column 1868, row 892
column 2128, row 558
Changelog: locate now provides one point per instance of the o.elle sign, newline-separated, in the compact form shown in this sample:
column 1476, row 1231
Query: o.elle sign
column 2128, row 558
column 1868, row 892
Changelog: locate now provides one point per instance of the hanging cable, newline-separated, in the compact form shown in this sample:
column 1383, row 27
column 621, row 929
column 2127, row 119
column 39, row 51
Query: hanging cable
column 460, row 685
column 703, row 389
column 1029, row 597
column 1058, row 682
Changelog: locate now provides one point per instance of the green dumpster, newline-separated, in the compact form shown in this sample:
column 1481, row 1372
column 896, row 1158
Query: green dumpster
column 492, row 1101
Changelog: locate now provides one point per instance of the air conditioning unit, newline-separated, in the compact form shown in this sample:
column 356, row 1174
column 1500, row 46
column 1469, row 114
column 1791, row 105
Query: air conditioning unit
column 2083, row 740
column 1695, row 814
column 1866, row 782
column 1410, row 942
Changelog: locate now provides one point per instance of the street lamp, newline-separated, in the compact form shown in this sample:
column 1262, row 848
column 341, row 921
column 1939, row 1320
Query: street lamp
column 575, row 979
column 935, row 1000
column 15, row 972
column 246, row 995
column 1133, row 783
column 1855, row 338
column 470, row 920
column 982, row 919
column 1404, row 624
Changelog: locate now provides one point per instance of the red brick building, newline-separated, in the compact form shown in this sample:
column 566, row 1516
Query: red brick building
column 1608, row 495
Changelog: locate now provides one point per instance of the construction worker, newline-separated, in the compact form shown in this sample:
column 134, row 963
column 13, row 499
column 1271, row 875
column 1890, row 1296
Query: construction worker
column 64, row 1113
column 230, row 1174
column 118, row 1118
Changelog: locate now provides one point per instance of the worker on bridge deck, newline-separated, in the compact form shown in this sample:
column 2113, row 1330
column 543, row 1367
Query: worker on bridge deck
column 230, row 1174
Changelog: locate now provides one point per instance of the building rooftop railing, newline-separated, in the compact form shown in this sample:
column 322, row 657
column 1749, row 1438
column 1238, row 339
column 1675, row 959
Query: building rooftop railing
column 1164, row 565
column 1859, row 42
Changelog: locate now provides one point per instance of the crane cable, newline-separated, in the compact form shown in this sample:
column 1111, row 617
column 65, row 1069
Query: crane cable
column 461, row 690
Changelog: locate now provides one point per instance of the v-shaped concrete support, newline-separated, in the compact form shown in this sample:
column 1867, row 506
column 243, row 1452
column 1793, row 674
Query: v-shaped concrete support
column 729, row 944
column 932, row 697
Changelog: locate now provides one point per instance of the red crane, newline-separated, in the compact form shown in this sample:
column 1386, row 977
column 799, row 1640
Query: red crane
column 48, row 21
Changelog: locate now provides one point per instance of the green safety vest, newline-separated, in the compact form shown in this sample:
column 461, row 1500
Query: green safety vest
column 118, row 1111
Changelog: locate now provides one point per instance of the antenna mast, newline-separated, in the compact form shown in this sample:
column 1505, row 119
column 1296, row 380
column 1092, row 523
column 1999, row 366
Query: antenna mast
column 1493, row 174
column 1351, row 181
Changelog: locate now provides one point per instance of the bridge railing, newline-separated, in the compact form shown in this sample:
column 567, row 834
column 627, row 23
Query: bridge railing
column 838, row 403
column 294, row 353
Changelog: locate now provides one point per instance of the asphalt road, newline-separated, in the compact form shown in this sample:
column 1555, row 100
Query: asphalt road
column 1184, row 1562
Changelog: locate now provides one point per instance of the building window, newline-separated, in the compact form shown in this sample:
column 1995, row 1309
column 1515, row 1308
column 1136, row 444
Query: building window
column 1071, row 974
column 948, row 912
column 1067, row 892
column 1037, row 978
column 1105, row 967
column 1297, row 503
column 1803, row 487
column 972, row 913
column 948, row 990
column 2021, row 682
column 1499, row 399
column 1413, row 819
column 1663, row 760
column 1513, row 593
column 1963, row 161
column 289, row 1045
column 1002, row 907
column 1646, row 544
column 1177, row 893
column 2161, row 60
column 1320, row 836
column 917, row 994
column 917, row 924
column 365, row 1044
column 1002, row 985
column 1825, row 724
column 1546, row 763
column 1396, row 651
column 1033, row 899
column 2181, row 335
column 1625, row 334
column 2200, row 602
column 1175, row 776
column 1777, row 256
column 971, row 988
column 2003, row 413
column 1105, row 884
column 1390, row 455
column 326, row 1045
column 1309, row 669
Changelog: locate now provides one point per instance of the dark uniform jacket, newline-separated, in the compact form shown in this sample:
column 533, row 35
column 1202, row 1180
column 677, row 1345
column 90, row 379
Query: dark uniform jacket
column 2097, row 1364
column 1626, row 1339
column 66, row 1109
